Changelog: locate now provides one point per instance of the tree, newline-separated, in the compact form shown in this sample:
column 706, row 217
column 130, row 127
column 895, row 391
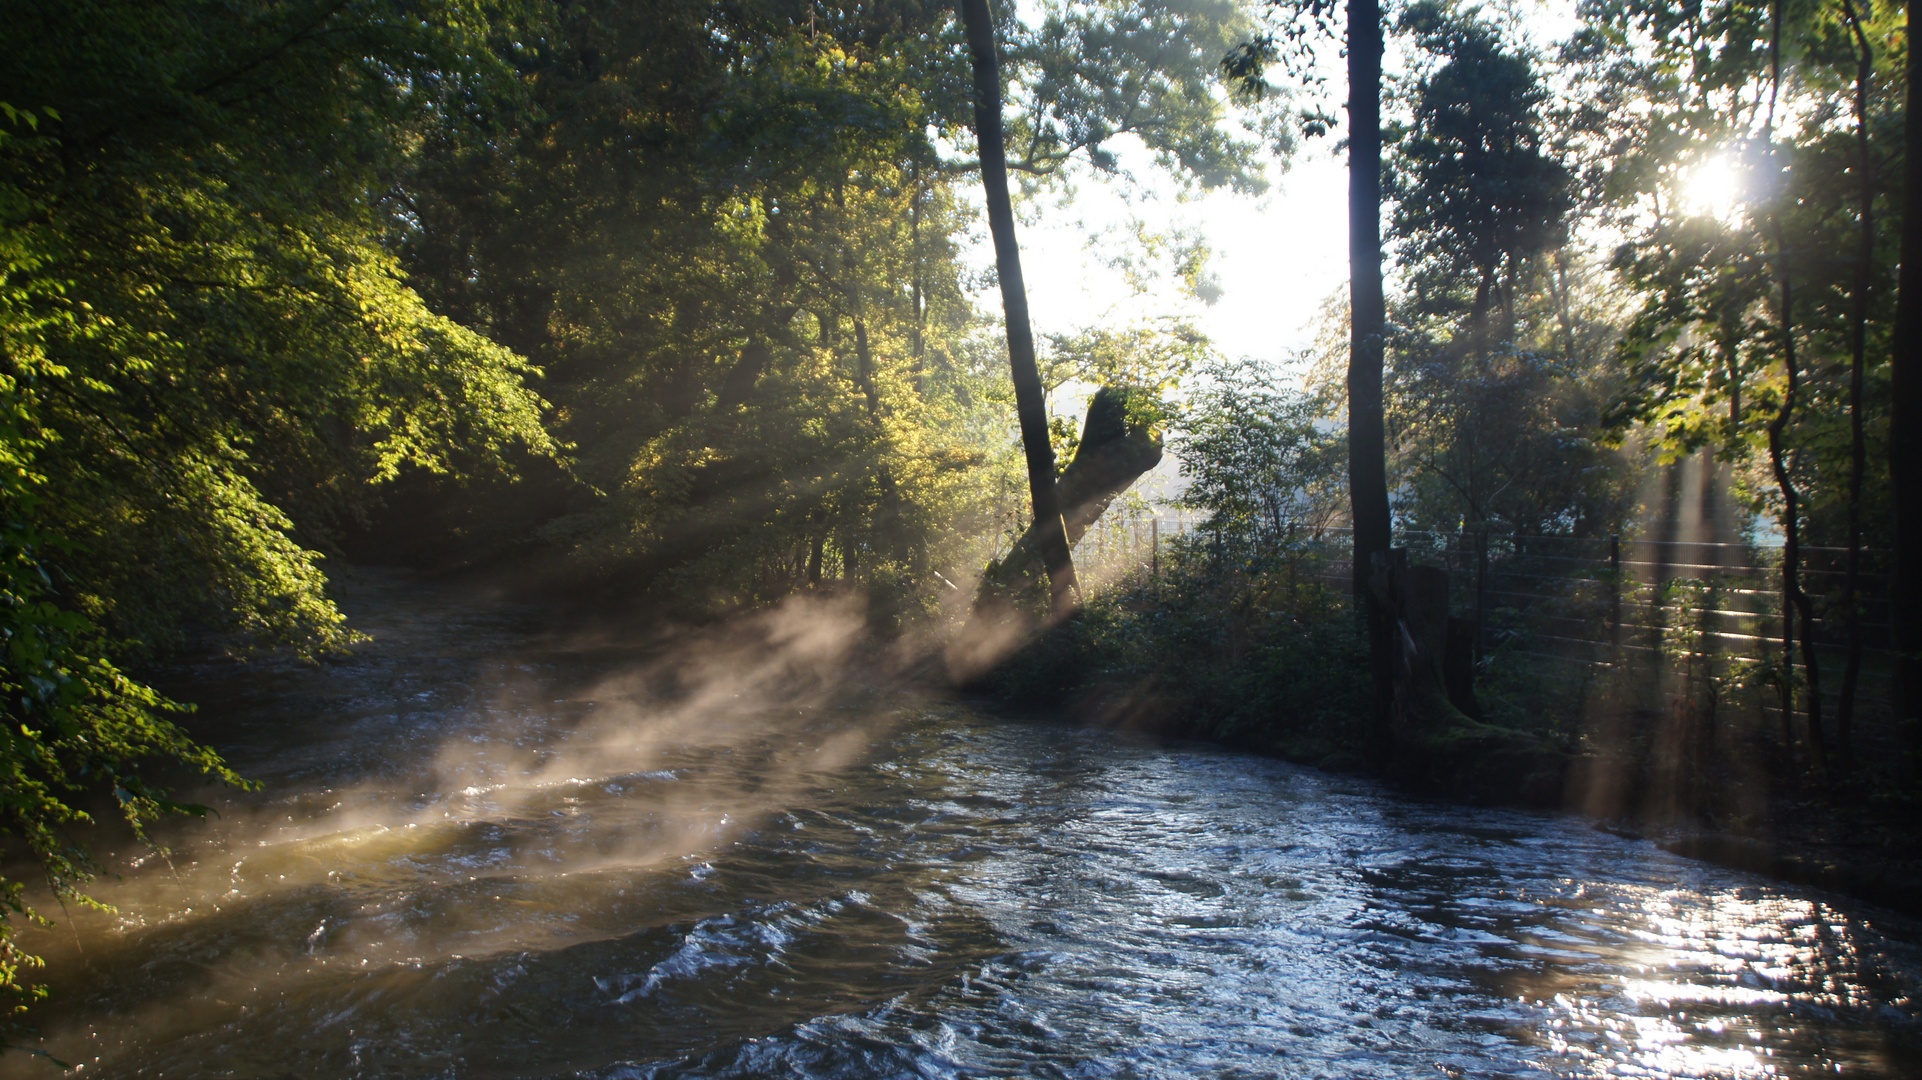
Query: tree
column 1367, row 434
column 1905, row 414
column 1031, row 402
column 1254, row 457
column 1476, row 194
column 725, row 236
column 208, row 361
column 1497, row 374
column 1745, row 338
column 1367, row 462
column 1302, row 21
column 217, row 338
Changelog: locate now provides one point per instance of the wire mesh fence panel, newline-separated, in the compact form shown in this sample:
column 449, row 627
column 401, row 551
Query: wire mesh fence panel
column 1648, row 621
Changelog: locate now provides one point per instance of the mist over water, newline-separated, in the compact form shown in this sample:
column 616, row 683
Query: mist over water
column 481, row 851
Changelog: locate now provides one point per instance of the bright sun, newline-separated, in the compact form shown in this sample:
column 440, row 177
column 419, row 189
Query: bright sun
column 1714, row 188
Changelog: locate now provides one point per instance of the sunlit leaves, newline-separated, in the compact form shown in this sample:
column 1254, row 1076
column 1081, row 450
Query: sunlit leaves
column 1254, row 456
column 1703, row 354
column 221, row 346
column 208, row 357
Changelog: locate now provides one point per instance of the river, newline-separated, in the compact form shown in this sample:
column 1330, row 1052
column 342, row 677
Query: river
column 485, row 851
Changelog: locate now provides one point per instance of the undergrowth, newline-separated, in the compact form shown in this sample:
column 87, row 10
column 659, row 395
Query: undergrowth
column 1256, row 653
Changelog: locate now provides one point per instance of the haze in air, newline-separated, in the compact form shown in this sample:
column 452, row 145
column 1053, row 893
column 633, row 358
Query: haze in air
column 1172, row 538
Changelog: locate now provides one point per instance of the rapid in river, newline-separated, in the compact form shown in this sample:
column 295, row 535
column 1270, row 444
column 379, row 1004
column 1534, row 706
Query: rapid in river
column 481, row 851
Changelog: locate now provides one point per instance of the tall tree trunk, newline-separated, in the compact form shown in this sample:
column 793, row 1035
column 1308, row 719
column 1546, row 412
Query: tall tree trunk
column 864, row 369
column 1795, row 601
column 1031, row 401
column 1796, row 606
column 889, row 537
column 855, row 297
column 886, row 529
column 1367, row 454
column 1858, row 353
column 1905, row 437
column 753, row 363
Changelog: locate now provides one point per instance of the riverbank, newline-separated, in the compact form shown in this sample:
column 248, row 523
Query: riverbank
column 1202, row 657
column 1258, row 663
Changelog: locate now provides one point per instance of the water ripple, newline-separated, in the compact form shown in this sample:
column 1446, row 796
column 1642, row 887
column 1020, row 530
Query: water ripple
column 925, row 891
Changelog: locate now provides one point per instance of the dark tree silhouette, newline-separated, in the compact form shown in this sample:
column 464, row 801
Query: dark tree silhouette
column 1905, row 443
column 1367, row 465
column 1031, row 401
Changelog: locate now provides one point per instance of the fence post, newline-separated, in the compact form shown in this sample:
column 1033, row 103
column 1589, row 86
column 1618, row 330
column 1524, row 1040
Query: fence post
column 1294, row 564
column 1154, row 548
column 1615, row 598
column 1481, row 593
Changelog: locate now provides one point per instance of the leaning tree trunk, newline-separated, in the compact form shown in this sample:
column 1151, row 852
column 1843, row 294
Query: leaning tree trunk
column 1367, row 453
column 1030, row 400
column 1115, row 451
column 1905, row 437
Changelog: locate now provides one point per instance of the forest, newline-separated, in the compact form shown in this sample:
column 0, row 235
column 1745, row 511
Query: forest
column 1590, row 493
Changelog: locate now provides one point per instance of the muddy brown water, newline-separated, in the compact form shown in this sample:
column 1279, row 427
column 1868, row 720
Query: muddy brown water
column 486, row 851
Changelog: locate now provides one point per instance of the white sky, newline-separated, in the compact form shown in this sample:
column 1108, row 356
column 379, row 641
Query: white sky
column 1278, row 257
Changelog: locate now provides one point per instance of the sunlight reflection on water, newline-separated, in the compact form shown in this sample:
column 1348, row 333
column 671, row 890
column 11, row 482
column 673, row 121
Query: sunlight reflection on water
column 1716, row 985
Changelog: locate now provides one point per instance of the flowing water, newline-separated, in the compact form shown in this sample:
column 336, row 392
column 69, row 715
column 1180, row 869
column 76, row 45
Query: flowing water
column 484, row 853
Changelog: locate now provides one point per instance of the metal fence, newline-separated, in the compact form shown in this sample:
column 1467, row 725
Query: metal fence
column 1582, row 609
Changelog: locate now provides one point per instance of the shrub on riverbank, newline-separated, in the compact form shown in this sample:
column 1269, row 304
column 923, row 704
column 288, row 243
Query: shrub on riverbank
column 1257, row 649
column 1252, row 642
column 1254, row 652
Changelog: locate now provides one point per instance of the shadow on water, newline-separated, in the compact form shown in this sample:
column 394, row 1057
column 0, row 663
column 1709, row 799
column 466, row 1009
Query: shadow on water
column 485, row 853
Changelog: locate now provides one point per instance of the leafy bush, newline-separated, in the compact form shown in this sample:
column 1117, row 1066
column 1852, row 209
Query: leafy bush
column 1254, row 652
